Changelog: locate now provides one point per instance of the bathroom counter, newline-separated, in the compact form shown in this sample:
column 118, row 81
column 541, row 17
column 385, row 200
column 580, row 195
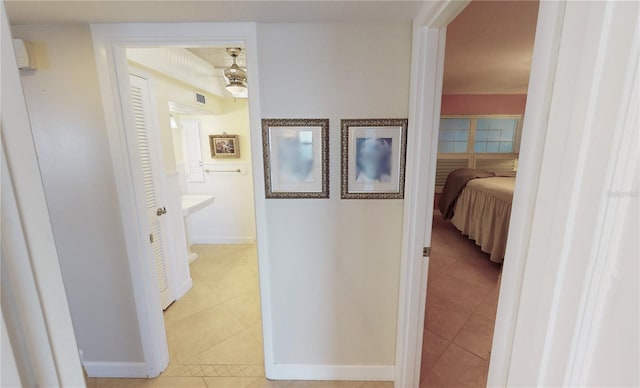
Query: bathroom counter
column 192, row 203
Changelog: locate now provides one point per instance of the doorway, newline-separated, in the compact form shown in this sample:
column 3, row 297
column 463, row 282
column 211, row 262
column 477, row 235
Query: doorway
column 486, row 74
column 114, row 69
column 205, row 255
column 430, row 32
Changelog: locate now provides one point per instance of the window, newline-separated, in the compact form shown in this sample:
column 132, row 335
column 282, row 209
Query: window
column 483, row 142
column 486, row 134
column 454, row 135
column 495, row 135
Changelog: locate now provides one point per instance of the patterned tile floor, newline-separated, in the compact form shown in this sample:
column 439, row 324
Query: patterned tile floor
column 218, row 370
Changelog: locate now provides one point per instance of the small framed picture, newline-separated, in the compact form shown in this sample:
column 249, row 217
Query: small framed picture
column 224, row 146
column 296, row 158
column 373, row 158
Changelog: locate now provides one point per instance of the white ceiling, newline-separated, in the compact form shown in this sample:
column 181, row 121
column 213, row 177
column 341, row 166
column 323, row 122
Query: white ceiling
column 489, row 48
column 489, row 45
column 88, row 11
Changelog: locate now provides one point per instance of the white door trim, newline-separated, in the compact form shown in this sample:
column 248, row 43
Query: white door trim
column 541, row 82
column 427, row 66
column 426, row 91
column 573, row 241
column 110, row 41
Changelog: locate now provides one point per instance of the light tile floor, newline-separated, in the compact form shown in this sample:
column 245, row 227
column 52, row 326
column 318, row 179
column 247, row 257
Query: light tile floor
column 216, row 326
column 214, row 332
column 462, row 297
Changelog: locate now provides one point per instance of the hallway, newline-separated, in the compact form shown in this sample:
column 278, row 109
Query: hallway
column 214, row 332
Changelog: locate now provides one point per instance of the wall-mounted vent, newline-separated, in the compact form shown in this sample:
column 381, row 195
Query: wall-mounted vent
column 200, row 98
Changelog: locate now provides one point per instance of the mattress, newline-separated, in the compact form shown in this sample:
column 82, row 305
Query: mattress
column 482, row 212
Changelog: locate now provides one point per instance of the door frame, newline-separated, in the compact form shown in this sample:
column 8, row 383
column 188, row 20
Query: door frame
column 110, row 42
column 427, row 63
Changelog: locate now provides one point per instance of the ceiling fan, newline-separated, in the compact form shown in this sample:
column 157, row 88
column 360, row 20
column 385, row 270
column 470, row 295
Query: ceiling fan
column 236, row 76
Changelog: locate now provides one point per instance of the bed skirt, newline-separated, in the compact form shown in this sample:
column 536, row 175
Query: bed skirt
column 484, row 218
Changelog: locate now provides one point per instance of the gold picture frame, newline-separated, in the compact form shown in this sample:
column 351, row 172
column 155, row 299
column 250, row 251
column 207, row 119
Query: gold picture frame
column 224, row 146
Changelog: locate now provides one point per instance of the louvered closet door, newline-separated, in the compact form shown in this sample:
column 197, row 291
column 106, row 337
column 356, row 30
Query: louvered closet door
column 153, row 196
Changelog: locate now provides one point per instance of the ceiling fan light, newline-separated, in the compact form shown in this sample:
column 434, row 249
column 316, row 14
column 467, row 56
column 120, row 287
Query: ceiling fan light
column 235, row 72
column 236, row 77
column 237, row 89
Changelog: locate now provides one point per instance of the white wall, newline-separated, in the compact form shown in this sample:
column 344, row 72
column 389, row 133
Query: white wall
column 615, row 355
column 63, row 100
column 231, row 218
column 334, row 263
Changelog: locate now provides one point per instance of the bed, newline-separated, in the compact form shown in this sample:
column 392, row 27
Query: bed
column 479, row 206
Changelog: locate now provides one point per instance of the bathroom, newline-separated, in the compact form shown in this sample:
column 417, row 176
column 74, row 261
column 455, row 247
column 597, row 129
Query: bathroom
column 200, row 131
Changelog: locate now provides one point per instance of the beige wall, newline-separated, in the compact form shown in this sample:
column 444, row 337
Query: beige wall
column 231, row 116
column 334, row 263
column 231, row 219
column 234, row 120
column 63, row 99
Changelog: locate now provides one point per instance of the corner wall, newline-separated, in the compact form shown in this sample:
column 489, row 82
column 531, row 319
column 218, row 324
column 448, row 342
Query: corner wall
column 334, row 263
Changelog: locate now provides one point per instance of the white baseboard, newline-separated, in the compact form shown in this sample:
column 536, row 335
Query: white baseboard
column 222, row 240
column 332, row 372
column 116, row 369
column 183, row 288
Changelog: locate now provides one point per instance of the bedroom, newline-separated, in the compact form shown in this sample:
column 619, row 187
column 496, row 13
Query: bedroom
column 487, row 62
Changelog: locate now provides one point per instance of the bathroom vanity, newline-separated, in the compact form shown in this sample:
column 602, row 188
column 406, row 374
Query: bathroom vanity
column 192, row 203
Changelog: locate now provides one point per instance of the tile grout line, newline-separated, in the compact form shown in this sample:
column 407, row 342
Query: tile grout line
column 473, row 311
column 439, row 357
column 449, row 342
column 216, row 344
column 462, row 327
column 238, row 318
column 476, row 276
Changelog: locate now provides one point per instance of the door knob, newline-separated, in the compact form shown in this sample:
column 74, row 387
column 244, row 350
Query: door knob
column 161, row 211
